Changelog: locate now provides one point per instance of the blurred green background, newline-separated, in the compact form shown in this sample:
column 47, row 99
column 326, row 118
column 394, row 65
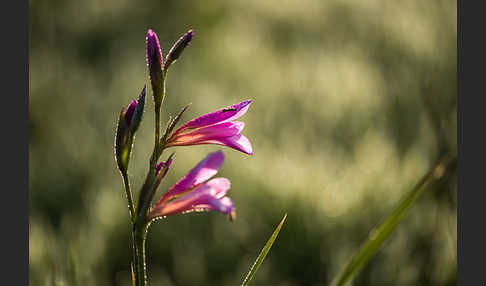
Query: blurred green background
column 352, row 103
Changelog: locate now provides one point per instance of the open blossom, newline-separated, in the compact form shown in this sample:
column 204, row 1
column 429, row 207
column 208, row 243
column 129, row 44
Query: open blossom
column 217, row 127
column 194, row 192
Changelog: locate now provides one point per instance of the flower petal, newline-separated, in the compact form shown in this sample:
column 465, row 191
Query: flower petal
column 238, row 142
column 223, row 205
column 219, row 116
column 203, row 198
column 206, row 169
column 221, row 130
column 220, row 186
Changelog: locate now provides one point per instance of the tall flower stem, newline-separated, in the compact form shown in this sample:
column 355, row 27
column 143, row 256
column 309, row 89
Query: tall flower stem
column 140, row 221
column 157, row 128
column 139, row 237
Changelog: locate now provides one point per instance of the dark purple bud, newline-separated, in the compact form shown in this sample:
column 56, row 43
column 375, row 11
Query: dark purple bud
column 129, row 112
column 154, row 54
column 177, row 48
column 161, row 165
column 161, row 170
column 136, row 118
column 155, row 65
column 128, row 123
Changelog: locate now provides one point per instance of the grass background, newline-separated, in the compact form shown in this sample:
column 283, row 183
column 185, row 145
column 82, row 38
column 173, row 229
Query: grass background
column 352, row 103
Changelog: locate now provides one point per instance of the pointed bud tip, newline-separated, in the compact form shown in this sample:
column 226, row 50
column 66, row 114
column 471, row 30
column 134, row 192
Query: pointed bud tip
column 178, row 47
column 163, row 164
column 189, row 35
column 142, row 94
column 153, row 48
column 169, row 159
column 246, row 102
column 129, row 111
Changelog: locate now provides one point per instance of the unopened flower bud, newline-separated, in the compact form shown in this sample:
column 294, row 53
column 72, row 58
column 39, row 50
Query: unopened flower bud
column 161, row 170
column 129, row 112
column 128, row 123
column 136, row 117
column 177, row 49
column 155, row 65
column 122, row 143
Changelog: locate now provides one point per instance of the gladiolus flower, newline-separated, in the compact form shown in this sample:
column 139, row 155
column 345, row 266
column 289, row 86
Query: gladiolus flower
column 194, row 192
column 216, row 127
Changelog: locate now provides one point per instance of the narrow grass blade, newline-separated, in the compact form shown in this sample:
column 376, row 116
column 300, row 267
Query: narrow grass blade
column 263, row 253
column 383, row 231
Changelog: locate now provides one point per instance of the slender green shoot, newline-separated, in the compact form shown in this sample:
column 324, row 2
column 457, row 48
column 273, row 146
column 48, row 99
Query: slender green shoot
column 263, row 253
column 383, row 231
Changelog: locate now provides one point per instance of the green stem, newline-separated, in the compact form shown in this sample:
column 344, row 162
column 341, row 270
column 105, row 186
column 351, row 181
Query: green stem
column 140, row 223
column 139, row 234
column 157, row 127
column 128, row 193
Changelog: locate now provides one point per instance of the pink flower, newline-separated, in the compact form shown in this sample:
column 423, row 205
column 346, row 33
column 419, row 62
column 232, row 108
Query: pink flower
column 194, row 192
column 216, row 127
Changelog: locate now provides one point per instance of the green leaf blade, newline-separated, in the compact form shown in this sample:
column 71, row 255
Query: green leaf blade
column 384, row 230
column 263, row 253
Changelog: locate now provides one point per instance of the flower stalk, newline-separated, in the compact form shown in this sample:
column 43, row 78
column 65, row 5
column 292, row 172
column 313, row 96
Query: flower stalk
column 194, row 192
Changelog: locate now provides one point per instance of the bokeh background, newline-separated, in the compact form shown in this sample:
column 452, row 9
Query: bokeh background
column 353, row 101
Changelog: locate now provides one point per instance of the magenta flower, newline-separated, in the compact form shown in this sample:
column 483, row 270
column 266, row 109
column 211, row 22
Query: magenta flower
column 216, row 127
column 194, row 192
